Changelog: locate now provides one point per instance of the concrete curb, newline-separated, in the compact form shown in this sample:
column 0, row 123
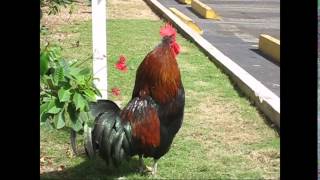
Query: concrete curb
column 204, row 10
column 187, row 20
column 264, row 99
column 270, row 46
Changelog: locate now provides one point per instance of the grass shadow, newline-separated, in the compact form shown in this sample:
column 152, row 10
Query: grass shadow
column 241, row 94
column 94, row 169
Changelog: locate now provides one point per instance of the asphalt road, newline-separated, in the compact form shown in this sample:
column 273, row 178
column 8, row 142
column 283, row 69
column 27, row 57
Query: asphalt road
column 237, row 33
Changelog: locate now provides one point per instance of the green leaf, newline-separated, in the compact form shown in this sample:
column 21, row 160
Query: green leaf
column 90, row 95
column 47, row 107
column 85, row 71
column 48, row 124
column 59, row 121
column 43, row 63
column 87, row 117
column 82, row 119
column 54, row 53
column 54, row 106
column 79, row 101
column 96, row 90
column 54, row 110
column 73, row 84
column 50, row 83
column 87, row 108
column 74, row 72
column 44, row 117
column 72, row 112
column 58, row 75
column 81, row 79
column 77, row 75
column 64, row 95
column 43, row 111
column 44, row 107
column 77, row 125
column 73, row 119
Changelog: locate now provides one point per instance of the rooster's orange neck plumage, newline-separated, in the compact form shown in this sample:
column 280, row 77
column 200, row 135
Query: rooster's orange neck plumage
column 158, row 75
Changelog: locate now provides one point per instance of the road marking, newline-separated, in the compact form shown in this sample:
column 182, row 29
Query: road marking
column 247, row 37
column 273, row 9
column 229, row 27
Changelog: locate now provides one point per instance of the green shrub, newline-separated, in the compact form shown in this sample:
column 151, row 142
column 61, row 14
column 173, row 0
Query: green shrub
column 65, row 91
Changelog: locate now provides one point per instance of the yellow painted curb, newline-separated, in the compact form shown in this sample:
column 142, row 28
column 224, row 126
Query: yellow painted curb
column 185, row 1
column 187, row 20
column 270, row 46
column 204, row 10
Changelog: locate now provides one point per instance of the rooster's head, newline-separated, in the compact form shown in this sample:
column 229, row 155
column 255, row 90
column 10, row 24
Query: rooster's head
column 169, row 33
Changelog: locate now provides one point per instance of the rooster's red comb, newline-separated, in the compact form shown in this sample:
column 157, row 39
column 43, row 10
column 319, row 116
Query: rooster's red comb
column 167, row 30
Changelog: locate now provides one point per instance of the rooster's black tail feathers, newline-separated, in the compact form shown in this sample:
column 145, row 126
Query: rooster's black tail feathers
column 110, row 137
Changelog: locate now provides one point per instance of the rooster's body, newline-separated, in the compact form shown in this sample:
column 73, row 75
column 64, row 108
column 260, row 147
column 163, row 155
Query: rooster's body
column 151, row 119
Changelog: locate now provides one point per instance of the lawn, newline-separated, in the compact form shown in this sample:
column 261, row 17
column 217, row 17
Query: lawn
column 223, row 136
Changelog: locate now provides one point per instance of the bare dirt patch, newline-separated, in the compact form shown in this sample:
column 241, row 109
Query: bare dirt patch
column 116, row 9
column 263, row 157
column 224, row 123
column 130, row 9
column 80, row 12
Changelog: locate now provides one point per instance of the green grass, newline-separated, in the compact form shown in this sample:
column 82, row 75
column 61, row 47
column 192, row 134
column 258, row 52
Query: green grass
column 222, row 137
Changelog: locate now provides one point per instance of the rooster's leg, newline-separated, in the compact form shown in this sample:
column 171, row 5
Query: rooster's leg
column 155, row 165
column 142, row 167
column 141, row 163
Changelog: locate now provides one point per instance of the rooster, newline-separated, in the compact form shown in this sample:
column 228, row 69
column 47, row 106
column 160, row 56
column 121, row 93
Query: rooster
column 147, row 125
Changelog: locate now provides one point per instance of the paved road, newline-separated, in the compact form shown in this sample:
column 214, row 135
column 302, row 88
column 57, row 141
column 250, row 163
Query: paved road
column 237, row 33
column 252, row 17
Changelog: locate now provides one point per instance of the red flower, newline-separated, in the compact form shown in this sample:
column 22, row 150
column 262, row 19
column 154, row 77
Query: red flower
column 121, row 64
column 115, row 91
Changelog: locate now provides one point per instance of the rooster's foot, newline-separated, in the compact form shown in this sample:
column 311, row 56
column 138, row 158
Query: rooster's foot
column 145, row 169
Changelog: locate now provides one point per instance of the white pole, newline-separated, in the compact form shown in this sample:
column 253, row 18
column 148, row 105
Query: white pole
column 99, row 42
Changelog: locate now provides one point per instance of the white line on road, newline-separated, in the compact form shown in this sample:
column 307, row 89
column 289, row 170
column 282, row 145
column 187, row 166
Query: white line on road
column 247, row 37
